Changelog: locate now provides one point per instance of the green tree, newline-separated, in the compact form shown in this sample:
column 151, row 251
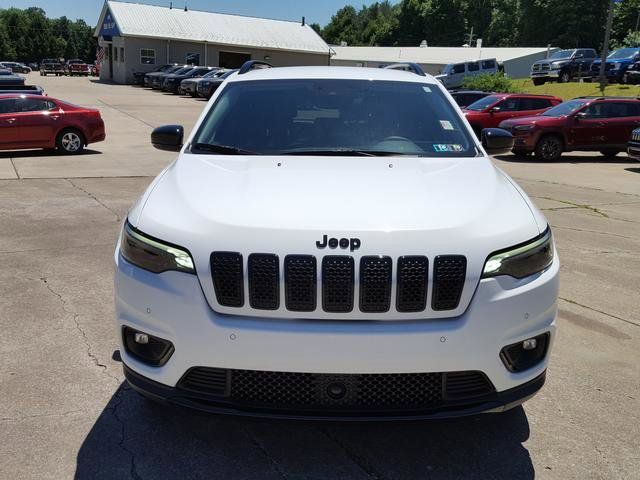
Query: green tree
column 439, row 22
column 343, row 27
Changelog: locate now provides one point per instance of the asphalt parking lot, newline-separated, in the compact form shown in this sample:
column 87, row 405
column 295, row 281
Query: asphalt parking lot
column 66, row 413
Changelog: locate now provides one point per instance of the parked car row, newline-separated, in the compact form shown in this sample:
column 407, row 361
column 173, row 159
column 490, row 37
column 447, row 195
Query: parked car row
column 190, row 80
column 15, row 67
column 72, row 67
column 571, row 64
column 546, row 126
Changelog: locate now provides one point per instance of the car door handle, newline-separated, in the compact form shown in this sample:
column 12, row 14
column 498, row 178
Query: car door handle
column 11, row 120
column 54, row 117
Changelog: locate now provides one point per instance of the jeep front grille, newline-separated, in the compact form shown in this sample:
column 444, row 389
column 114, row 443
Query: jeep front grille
column 338, row 274
column 337, row 283
column 300, row 280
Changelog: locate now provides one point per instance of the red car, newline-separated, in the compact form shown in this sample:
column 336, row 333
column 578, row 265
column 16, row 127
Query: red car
column 37, row 121
column 489, row 111
column 601, row 124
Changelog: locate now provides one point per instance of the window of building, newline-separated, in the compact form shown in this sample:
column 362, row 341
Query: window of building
column 115, row 54
column 147, row 56
column 122, row 54
column 193, row 59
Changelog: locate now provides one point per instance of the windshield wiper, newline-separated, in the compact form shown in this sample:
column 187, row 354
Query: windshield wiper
column 343, row 152
column 223, row 149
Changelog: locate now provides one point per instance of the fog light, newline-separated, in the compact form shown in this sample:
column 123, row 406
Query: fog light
column 146, row 348
column 524, row 355
column 143, row 338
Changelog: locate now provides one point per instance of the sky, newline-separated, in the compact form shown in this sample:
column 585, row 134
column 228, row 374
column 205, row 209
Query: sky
column 315, row 11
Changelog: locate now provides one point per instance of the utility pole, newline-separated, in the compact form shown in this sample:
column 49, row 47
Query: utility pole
column 471, row 35
column 605, row 47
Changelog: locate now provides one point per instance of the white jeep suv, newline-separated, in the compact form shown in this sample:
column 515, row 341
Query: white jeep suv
column 335, row 243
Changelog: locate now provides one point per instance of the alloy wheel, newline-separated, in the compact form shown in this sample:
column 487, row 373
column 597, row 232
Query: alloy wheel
column 71, row 142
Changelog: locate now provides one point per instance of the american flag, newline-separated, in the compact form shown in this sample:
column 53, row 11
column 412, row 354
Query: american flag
column 100, row 54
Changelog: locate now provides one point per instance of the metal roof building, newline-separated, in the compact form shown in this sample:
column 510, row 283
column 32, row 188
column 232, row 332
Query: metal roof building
column 138, row 37
column 515, row 61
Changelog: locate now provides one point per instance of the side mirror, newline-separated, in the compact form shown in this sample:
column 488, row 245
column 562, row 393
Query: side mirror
column 168, row 137
column 496, row 141
column 494, row 110
column 580, row 116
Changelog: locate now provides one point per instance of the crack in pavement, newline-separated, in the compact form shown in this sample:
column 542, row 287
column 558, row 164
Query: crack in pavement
column 108, row 105
column 573, row 302
column 133, row 471
column 91, row 195
column 523, row 180
column 76, row 321
column 592, row 231
column 364, row 464
column 573, row 205
column 258, row 444
column 39, row 415
column 103, row 367
column 57, row 249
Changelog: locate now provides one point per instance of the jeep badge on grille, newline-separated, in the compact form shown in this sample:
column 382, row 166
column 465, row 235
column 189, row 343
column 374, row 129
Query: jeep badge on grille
column 344, row 243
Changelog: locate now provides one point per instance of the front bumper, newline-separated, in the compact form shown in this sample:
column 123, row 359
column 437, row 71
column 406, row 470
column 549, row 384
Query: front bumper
column 172, row 306
column 495, row 402
column 633, row 149
column 546, row 74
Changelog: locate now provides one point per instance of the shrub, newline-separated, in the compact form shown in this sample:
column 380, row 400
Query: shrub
column 488, row 82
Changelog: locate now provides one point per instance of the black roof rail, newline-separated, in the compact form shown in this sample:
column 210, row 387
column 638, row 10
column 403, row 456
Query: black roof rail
column 407, row 67
column 252, row 64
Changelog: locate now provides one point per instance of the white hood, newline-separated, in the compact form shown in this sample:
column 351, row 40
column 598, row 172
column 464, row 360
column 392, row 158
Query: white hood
column 283, row 205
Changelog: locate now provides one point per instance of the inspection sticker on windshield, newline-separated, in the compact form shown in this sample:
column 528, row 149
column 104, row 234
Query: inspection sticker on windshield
column 443, row 147
column 446, row 125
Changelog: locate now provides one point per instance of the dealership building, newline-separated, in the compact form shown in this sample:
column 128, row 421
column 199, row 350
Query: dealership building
column 516, row 62
column 137, row 37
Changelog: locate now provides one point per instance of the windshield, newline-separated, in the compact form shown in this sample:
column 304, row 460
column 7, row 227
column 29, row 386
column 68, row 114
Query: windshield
column 183, row 71
column 623, row 53
column 566, row 108
column 483, row 103
column 562, row 54
column 333, row 117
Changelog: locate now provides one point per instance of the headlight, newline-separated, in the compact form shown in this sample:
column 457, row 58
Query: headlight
column 523, row 128
column 522, row 260
column 555, row 66
column 153, row 255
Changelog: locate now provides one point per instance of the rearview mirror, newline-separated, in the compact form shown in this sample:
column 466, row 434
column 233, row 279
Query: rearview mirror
column 168, row 137
column 496, row 141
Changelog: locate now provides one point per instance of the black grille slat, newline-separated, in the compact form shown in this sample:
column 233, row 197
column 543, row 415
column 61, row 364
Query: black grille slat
column 300, row 277
column 311, row 391
column 207, row 381
column 227, row 272
column 412, row 281
column 375, row 284
column 466, row 385
column 337, row 284
column 449, row 273
column 264, row 281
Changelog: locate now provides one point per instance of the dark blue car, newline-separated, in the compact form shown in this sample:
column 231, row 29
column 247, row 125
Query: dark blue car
column 617, row 63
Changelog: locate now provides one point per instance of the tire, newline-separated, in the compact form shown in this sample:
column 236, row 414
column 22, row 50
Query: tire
column 549, row 148
column 539, row 81
column 609, row 153
column 70, row 141
column 565, row 77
